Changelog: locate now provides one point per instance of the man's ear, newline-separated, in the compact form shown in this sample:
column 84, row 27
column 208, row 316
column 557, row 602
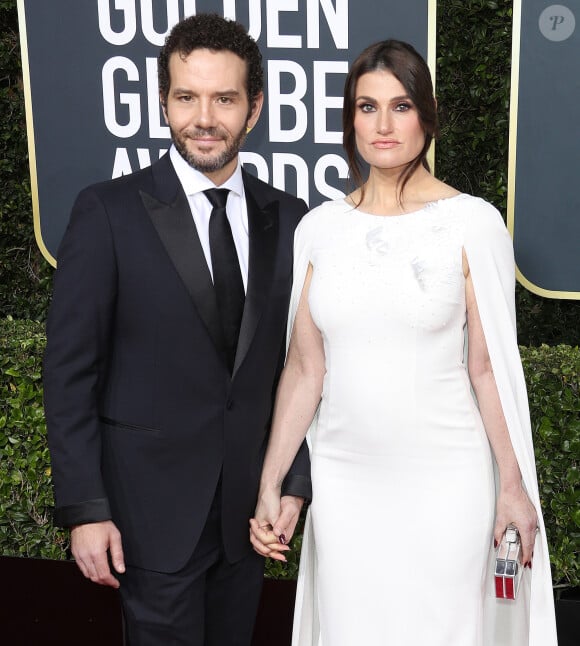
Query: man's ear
column 255, row 110
column 163, row 103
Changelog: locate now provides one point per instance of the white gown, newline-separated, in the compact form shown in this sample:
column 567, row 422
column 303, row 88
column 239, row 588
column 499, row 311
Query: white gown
column 398, row 538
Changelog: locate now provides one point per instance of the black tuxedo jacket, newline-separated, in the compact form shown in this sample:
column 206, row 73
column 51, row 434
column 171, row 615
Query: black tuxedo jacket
column 142, row 413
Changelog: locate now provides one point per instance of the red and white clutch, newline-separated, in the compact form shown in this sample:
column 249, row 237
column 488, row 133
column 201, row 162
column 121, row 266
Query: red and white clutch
column 507, row 565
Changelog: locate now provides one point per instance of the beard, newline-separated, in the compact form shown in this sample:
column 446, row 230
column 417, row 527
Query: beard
column 209, row 163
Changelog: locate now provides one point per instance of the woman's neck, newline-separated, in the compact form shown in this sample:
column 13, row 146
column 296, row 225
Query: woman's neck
column 382, row 195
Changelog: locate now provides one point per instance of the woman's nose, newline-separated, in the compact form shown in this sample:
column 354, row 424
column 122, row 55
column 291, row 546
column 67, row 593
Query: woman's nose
column 384, row 121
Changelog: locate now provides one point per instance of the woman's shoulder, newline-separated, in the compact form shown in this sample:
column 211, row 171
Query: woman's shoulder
column 482, row 224
column 434, row 191
column 332, row 207
column 479, row 214
column 322, row 215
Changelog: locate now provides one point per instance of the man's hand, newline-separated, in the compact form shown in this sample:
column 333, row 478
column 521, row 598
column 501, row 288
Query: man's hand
column 90, row 544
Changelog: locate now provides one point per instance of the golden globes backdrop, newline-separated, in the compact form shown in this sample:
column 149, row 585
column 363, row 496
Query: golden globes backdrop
column 90, row 72
column 544, row 167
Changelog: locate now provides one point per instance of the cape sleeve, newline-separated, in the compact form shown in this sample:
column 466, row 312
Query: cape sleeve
column 489, row 251
column 306, row 628
column 303, row 238
column 304, row 243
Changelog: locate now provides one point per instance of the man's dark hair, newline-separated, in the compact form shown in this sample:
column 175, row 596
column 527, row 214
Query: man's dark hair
column 210, row 31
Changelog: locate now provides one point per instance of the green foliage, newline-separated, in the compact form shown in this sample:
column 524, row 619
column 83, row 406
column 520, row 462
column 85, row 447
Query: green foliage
column 553, row 377
column 542, row 320
column 552, row 374
column 25, row 491
column 473, row 76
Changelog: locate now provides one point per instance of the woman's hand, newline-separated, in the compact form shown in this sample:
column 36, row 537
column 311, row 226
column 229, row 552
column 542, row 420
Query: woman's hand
column 274, row 523
column 514, row 507
column 262, row 536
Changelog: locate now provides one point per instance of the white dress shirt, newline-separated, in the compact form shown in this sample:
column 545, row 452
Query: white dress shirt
column 194, row 183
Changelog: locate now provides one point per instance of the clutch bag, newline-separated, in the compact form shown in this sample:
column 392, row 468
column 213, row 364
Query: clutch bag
column 507, row 565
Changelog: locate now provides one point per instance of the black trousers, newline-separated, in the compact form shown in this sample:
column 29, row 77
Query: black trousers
column 209, row 602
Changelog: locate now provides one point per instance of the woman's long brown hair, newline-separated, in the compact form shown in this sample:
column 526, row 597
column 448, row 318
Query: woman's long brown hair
column 411, row 70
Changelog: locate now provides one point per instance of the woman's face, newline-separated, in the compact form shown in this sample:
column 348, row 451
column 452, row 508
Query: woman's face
column 386, row 123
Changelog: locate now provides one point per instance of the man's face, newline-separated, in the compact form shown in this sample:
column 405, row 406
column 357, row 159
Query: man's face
column 208, row 111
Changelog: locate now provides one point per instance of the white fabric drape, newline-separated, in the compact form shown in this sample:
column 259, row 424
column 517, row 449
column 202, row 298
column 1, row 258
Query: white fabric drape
column 530, row 620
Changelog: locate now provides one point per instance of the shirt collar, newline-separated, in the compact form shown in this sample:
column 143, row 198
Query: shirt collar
column 193, row 181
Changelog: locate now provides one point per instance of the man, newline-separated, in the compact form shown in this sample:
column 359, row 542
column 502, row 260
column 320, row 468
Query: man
column 165, row 344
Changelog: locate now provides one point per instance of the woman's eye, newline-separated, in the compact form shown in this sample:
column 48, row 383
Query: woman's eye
column 366, row 107
column 403, row 106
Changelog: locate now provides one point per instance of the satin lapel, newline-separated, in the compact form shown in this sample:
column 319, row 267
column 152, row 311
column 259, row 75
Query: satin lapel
column 176, row 228
column 263, row 234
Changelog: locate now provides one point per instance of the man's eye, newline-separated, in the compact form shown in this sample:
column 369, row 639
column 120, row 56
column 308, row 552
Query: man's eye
column 184, row 98
column 225, row 100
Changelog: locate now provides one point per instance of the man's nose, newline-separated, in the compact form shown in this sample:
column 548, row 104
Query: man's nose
column 205, row 114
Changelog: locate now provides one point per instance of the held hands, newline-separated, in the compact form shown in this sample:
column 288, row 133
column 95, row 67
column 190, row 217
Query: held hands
column 513, row 506
column 274, row 523
column 89, row 546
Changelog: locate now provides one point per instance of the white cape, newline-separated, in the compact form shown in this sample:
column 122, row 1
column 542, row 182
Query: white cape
column 530, row 620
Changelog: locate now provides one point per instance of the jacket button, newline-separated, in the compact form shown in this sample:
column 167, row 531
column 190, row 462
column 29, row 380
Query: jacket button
column 229, row 404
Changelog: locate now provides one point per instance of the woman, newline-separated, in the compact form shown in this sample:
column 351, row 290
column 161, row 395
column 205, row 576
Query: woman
column 402, row 308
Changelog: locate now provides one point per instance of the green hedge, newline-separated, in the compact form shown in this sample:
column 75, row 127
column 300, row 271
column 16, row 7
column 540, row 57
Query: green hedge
column 553, row 378
column 25, row 490
column 473, row 76
column 552, row 373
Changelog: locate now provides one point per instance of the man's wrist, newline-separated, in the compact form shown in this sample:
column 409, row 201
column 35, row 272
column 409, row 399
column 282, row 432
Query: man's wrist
column 297, row 485
column 88, row 511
